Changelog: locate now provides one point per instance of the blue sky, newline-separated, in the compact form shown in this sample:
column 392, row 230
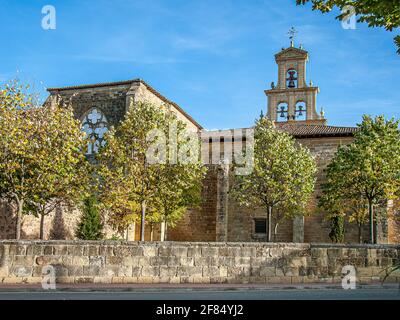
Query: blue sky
column 214, row 58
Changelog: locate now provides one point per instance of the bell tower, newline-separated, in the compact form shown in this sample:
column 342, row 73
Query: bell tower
column 292, row 99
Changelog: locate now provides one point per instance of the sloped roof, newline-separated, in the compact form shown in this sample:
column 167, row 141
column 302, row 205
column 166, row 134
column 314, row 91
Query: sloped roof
column 309, row 131
column 129, row 82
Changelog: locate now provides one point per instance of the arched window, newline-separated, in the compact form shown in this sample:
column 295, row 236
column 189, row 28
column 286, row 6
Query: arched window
column 282, row 112
column 95, row 125
column 301, row 111
column 291, row 78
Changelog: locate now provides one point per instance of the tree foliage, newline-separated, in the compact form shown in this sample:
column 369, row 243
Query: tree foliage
column 90, row 226
column 337, row 229
column 138, row 178
column 364, row 173
column 283, row 175
column 40, row 152
column 376, row 13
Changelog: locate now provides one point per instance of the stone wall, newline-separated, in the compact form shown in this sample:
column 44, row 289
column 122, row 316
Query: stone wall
column 169, row 262
column 199, row 223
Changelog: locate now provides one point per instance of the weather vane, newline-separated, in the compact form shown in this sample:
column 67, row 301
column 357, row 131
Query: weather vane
column 292, row 34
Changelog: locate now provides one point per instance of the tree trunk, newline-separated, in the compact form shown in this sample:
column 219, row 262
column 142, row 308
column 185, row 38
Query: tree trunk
column 360, row 233
column 163, row 227
column 18, row 222
column 371, row 222
column 151, row 232
column 269, row 224
column 41, row 231
column 143, row 221
column 275, row 231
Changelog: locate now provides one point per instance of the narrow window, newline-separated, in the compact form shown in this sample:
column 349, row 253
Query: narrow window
column 95, row 125
column 260, row 226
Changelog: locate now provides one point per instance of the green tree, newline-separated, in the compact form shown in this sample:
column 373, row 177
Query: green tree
column 337, row 229
column 39, row 149
column 63, row 174
column 180, row 184
column 376, row 13
column 337, row 202
column 358, row 209
column 136, row 172
column 90, row 226
column 368, row 170
column 178, row 188
column 283, row 176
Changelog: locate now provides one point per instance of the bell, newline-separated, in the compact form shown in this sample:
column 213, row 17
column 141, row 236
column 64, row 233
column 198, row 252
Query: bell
column 300, row 111
column 291, row 84
column 283, row 111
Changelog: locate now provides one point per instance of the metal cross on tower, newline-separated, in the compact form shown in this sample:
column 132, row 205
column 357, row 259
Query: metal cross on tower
column 292, row 34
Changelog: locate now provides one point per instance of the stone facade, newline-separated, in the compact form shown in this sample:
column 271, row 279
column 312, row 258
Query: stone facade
column 114, row 99
column 184, row 263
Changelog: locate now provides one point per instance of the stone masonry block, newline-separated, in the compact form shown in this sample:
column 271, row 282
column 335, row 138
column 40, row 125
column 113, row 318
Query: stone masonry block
column 75, row 271
column 190, row 271
column 144, row 261
column 180, row 252
column 60, row 250
column 98, row 261
column 248, row 252
column 206, row 261
column 114, row 260
column 267, row 272
column 131, row 261
column 186, row 261
column 150, row 251
column 20, row 250
column 162, row 261
column 80, row 260
column 164, row 251
column 209, row 252
column 75, row 250
column 48, row 260
column 211, row 271
column 168, row 271
column 194, row 251
column 105, row 250
column 83, row 280
column 48, row 250
column 150, row 271
column 126, row 251
column 24, row 261
column 21, row 271
column 34, row 250
column 136, row 271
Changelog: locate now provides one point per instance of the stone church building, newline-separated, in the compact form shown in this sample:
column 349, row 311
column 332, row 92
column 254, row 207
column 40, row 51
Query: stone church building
column 291, row 103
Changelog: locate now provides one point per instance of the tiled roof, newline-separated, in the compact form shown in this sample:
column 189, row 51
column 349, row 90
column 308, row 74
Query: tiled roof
column 129, row 82
column 95, row 85
column 308, row 131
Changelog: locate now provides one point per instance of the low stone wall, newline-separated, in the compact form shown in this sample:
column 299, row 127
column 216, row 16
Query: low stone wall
column 192, row 262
